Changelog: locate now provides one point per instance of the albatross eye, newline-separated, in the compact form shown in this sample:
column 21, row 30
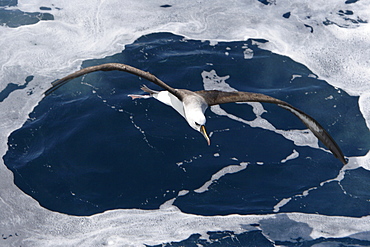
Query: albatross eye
column 197, row 124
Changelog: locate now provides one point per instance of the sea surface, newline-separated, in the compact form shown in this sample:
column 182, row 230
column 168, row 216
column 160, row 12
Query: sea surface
column 89, row 166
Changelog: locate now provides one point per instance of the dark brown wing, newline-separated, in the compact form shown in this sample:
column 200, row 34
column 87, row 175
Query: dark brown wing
column 109, row 67
column 214, row 97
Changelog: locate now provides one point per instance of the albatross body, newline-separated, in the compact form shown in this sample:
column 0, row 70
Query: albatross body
column 192, row 105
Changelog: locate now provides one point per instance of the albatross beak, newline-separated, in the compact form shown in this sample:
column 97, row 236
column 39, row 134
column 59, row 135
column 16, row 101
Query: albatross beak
column 204, row 133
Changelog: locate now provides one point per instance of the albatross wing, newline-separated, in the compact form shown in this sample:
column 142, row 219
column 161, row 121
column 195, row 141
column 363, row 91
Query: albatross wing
column 110, row 67
column 215, row 97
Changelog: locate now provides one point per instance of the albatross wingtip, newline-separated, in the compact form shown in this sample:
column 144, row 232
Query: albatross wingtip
column 344, row 160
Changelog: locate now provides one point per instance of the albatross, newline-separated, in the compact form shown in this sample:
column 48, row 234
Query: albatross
column 193, row 104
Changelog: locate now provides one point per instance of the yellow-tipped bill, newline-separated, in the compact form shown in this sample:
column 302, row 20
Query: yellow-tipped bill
column 204, row 133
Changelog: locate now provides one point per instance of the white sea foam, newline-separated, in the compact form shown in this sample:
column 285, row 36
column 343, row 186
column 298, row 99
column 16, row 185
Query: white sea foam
column 94, row 29
column 294, row 155
column 282, row 203
column 226, row 170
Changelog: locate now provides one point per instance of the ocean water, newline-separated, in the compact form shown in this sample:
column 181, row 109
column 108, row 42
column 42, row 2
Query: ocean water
column 89, row 166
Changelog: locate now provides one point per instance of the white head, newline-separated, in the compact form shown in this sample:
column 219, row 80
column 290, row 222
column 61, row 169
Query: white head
column 194, row 114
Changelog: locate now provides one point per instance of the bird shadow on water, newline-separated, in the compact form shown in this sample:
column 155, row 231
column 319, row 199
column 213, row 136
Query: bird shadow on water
column 88, row 147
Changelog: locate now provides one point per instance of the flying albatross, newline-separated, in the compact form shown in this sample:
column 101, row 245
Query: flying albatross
column 192, row 105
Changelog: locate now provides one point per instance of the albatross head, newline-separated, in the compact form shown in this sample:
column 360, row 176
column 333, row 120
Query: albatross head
column 197, row 120
column 194, row 114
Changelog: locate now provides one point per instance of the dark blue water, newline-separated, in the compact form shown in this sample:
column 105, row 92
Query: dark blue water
column 88, row 147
